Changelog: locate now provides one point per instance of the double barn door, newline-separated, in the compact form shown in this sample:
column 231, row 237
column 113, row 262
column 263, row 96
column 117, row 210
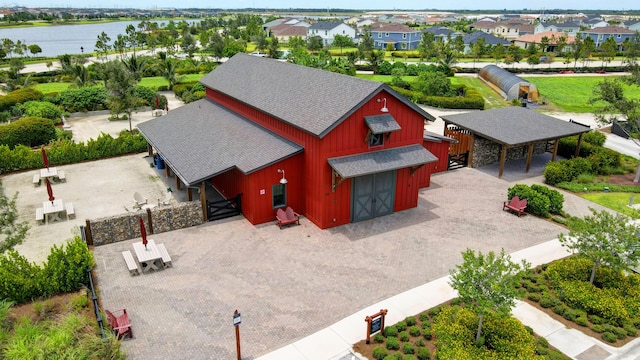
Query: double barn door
column 372, row 195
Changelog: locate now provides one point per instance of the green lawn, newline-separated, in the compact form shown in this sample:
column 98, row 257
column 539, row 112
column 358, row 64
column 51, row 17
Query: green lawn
column 572, row 93
column 53, row 87
column 151, row 82
column 617, row 201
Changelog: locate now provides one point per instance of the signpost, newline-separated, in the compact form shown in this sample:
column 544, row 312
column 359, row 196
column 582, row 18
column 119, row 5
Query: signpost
column 375, row 323
column 236, row 323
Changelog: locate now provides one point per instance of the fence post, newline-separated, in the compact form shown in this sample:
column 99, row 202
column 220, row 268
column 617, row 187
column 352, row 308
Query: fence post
column 87, row 233
column 150, row 221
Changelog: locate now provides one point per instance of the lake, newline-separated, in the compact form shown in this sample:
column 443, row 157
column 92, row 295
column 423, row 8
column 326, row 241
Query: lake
column 68, row 39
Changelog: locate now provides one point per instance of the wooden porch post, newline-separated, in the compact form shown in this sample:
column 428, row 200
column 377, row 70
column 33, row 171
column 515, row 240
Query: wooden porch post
column 189, row 197
column 178, row 183
column 150, row 149
column 503, row 155
column 555, row 149
column 471, row 143
column 578, row 145
column 167, row 170
column 203, row 202
column 529, row 155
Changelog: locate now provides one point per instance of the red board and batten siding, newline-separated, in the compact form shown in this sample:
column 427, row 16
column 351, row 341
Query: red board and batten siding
column 256, row 188
column 441, row 151
column 312, row 195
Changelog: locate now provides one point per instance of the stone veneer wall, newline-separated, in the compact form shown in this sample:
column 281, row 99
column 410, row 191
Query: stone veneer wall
column 127, row 226
column 487, row 152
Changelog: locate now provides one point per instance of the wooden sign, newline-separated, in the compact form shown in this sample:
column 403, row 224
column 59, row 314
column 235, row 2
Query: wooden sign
column 375, row 323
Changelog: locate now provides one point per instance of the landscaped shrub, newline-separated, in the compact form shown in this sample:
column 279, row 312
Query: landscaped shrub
column 401, row 326
column 570, row 315
column 423, row 353
column 408, row 348
column 559, row 309
column 24, row 281
column 609, row 337
column 420, row 343
column 149, row 97
column 390, row 331
column 556, row 200
column 423, row 317
column 435, row 311
column 408, row 357
column 83, row 99
column 393, row 343
column 582, row 321
column 403, row 336
column 547, row 301
column 594, row 137
column 378, row 338
column 18, row 97
column 42, row 109
column 537, row 203
column 414, row 330
column 379, row 352
column 630, row 329
column 534, row 297
column 426, row 332
column 29, row 131
column 411, row 320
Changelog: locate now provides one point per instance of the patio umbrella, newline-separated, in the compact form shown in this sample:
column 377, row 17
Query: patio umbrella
column 45, row 160
column 49, row 190
column 157, row 103
column 143, row 233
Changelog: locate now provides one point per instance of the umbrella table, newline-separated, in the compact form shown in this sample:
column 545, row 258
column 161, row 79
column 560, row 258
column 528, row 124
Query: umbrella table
column 143, row 233
column 49, row 190
column 45, row 160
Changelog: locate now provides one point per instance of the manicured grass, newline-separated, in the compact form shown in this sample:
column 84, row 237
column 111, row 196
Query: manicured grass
column 53, row 87
column 617, row 201
column 492, row 99
column 572, row 93
column 157, row 81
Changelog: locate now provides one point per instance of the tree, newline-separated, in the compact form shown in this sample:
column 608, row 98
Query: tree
column 427, row 46
column 515, row 52
column 487, row 283
column 261, row 42
column 297, row 42
column 608, row 50
column 589, row 48
column 35, row 49
column 606, row 240
column 102, row 44
column 478, row 49
column 121, row 86
column 375, row 58
column 533, row 60
column 498, row 52
column 366, row 42
column 544, row 44
column 433, row 84
column 342, row 41
column 135, row 65
column 273, row 47
column 314, row 43
column 561, row 43
column 12, row 232
column 611, row 92
column 577, row 49
column 189, row 44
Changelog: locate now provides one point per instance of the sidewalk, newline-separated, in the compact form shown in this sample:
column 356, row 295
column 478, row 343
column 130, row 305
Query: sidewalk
column 335, row 341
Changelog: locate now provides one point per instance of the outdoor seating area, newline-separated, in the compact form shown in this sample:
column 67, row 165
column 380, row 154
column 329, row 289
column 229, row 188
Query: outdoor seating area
column 149, row 255
column 140, row 202
column 53, row 209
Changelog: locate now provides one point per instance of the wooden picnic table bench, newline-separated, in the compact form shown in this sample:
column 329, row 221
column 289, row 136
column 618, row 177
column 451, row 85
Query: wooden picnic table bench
column 166, row 259
column 131, row 263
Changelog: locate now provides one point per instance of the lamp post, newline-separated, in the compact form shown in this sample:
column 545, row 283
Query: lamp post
column 82, row 49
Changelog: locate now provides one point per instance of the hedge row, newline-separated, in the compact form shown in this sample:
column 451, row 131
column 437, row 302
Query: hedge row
column 29, row 131
column 65, row 270
column 83, row 99
column 471, row 100
column 18, row 97
column 65, row 151
column 541, row 200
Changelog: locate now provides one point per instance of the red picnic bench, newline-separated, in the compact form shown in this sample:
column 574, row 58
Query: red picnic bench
column 120, row 324
column 286, row 217
column 515, row 204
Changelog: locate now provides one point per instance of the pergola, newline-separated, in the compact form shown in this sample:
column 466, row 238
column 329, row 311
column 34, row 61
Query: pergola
column 515, row 127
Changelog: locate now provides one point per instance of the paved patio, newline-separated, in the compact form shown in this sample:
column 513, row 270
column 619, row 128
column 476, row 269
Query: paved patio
column 293, row 282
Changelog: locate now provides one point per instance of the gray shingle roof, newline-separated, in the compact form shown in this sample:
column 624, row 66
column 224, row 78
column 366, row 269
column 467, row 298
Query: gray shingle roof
column 201, row 139
column 488, row 38
column 325, row 25
column 380, row 124
column 379, row 161
column 514, row 125
column 313, row 100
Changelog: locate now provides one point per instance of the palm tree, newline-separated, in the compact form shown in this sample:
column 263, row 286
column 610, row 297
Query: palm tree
column 168, row 70
column 135, row 65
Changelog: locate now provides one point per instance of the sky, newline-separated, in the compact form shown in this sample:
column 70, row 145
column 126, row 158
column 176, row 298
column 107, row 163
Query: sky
column 342, row 4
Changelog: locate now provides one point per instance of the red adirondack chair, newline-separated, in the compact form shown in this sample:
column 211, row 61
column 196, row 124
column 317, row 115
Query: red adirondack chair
column 286, row 217
column 120, row 324
column 515, row 204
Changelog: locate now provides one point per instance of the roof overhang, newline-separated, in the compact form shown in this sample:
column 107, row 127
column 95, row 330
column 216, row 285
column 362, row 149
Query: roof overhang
column 380, row 161
column 381, row 124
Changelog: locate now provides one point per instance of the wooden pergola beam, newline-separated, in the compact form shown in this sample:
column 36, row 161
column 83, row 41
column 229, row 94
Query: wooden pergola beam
column 578, row 145
column 529, row 156
column 203, row 202
column 555, row 149
column 503, row 156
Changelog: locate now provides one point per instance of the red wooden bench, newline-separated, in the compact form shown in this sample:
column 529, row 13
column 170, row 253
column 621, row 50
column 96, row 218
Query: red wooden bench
column 515, row 204
column 286, row 217
column 120, row 324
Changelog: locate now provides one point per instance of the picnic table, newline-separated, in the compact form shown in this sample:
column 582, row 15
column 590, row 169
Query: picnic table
column 51, row 172
column 53, row 210
column 149, row 257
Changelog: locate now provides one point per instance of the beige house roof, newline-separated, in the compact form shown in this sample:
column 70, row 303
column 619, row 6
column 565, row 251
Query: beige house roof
column 553, row 37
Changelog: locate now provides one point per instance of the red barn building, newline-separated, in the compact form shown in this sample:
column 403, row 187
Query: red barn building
column 336, row 148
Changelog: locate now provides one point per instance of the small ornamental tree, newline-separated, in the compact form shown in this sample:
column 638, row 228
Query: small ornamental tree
column 487, row 283
column 605, row 239
column 12, row 232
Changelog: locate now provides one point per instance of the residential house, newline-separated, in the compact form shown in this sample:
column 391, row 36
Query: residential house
column 336, row 148
column 594, row 23
column 400, row 36
column 327, row 30
column 552, row 37
column 633, row 25
column 600, row 34
column 509, row 30
column 490, row 40
column 567, row 27
column 440, row 33
column 283, row 23
column 285, row 32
